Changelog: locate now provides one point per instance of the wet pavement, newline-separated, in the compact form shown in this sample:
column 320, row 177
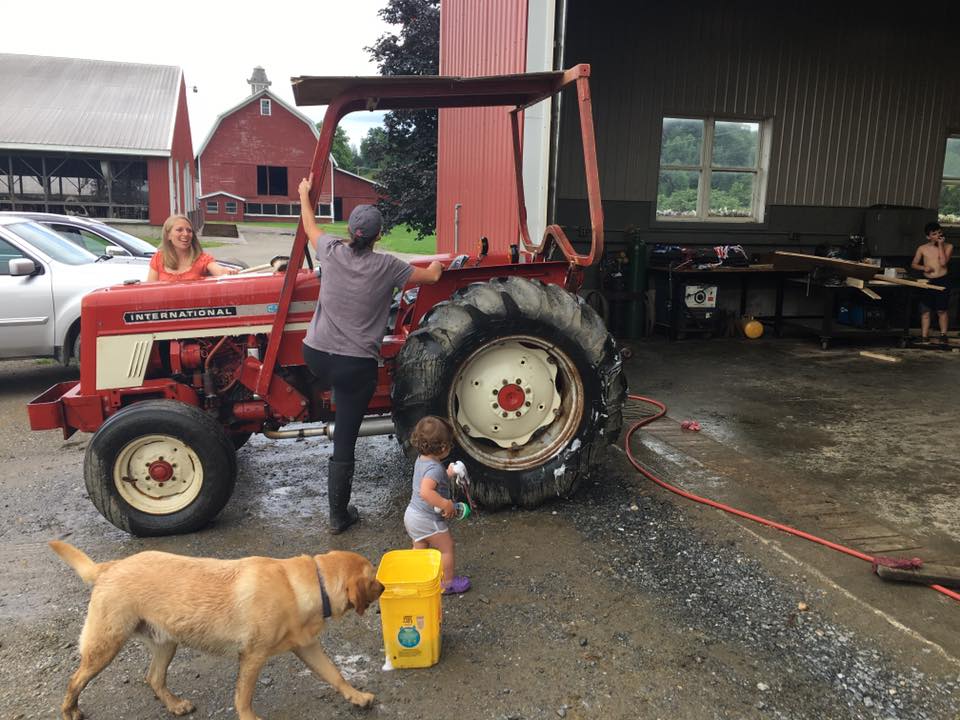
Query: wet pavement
column 625, row 602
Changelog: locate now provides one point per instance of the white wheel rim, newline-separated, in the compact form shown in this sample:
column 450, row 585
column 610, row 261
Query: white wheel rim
column 158, row 474
column 516, row 401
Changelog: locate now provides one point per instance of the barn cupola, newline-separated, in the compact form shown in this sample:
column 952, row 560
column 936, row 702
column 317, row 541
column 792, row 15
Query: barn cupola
column 258, row 82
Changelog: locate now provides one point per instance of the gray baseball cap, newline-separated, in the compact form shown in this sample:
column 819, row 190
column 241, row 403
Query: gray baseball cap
column 365, row 222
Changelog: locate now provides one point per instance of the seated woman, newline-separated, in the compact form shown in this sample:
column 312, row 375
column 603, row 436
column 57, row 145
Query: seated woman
column 180, row 256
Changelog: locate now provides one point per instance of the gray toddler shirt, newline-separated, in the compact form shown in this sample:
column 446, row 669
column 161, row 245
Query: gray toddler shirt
column 426, row 467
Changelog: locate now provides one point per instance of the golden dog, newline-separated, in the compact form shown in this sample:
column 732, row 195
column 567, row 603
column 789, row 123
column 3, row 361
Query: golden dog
column 255, row 607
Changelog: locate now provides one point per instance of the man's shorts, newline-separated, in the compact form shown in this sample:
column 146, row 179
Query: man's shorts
column 936, row 300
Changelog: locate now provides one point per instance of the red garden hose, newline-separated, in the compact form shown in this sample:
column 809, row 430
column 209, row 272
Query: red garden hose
column 726, row 508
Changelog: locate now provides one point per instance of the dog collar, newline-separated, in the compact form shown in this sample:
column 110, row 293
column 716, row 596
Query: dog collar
column 324, row 598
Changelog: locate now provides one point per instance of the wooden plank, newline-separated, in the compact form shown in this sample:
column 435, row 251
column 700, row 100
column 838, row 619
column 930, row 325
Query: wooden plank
column 929, row 574
column 893, row 543
column 782, row 258
column 841, row 519
column 908, row 283
column 879, row 356
column 863, row 271
column 865, row 531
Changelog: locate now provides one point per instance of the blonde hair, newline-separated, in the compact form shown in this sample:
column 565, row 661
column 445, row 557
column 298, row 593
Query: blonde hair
column 170, row 258
column 432, row 436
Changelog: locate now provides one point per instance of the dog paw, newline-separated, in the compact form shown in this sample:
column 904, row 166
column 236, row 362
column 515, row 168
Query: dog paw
column 181, row 707
column 362, row 699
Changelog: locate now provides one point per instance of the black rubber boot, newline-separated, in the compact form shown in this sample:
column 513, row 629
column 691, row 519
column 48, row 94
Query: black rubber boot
column 339, row 485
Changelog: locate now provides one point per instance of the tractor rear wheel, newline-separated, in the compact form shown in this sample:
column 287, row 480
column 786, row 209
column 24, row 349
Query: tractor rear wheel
column 530, row 379
column 160, row 467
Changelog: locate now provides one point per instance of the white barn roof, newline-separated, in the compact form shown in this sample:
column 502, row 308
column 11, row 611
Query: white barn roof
column 65, row 104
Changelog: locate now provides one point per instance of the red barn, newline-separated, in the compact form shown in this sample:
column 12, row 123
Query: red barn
column 92, row 137
column 350, row 190
column 252, row 160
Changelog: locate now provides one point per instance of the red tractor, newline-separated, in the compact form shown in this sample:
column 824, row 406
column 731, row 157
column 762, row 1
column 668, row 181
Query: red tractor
column 176, row 376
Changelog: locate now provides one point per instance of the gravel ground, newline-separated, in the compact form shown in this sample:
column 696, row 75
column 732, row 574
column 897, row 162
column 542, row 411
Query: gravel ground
column 623, row 603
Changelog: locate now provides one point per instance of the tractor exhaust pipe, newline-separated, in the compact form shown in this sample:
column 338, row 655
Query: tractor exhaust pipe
column 370, row 426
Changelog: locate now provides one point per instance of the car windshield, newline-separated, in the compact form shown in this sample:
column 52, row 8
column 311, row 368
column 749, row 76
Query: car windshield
column 126, row 239
column 51, row 244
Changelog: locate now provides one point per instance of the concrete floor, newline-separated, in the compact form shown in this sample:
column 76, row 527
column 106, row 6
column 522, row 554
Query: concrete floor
column 859, row 451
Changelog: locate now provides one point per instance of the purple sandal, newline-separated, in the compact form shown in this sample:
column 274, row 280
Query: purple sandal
column 459, row 584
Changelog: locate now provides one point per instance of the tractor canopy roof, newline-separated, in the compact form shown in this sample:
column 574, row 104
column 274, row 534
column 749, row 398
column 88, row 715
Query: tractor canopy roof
column 393, row 92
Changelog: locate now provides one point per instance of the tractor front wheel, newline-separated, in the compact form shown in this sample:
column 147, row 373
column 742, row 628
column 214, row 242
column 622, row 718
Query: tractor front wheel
column 160, row 467
column 530, row 380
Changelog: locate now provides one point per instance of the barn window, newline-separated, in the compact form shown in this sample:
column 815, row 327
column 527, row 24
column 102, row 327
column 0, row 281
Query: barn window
column 230, row 207
column 213, row 206
column 264, row 106
column 254, row 208
column 712, row 170
column 950, row 188
column 271, row 180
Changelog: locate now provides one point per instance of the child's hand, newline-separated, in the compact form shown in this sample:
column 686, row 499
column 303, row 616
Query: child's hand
column 451, row 472
column 449, row 509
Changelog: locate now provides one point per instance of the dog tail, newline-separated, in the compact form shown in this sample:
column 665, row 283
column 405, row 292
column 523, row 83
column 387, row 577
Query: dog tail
column 86, row 568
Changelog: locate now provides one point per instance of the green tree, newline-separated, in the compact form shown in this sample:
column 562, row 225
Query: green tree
column 343, row 152
column 374, row 151
column 409, row 171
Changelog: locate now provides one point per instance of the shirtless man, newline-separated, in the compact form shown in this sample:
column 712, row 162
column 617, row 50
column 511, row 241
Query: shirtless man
column 931, row 259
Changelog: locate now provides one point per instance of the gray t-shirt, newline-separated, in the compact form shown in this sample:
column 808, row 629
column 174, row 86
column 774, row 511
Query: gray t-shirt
column 427, row 467
column 355, row 294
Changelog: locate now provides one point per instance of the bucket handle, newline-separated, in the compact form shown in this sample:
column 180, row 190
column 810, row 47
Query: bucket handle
column 402, row 592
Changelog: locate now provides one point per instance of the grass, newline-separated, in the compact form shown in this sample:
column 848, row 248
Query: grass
column 400, row 239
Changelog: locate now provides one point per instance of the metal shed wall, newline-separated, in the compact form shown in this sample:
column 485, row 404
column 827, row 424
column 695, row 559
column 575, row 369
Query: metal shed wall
column 475, row 159
column 860, row 101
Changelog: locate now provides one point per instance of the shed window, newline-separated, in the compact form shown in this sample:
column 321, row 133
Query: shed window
column 271, row 180
column 264, row 106
column 950, row 188
column 213, row 206
column 712, row 170
column 230, row 207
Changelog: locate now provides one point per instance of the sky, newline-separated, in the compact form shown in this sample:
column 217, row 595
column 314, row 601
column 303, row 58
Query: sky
column 217, row 44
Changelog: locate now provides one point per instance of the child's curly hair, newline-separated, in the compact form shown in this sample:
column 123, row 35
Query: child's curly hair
column 432, row 436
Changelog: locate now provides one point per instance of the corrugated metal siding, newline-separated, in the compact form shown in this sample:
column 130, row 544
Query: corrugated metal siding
column 859, row 105
column 475, row 160
column 64, row 102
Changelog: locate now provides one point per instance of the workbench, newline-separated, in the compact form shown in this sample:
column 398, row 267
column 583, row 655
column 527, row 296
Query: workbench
column 677, row 279
column 896, row 301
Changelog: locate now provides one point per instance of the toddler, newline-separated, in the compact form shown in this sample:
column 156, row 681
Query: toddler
column 431, row 489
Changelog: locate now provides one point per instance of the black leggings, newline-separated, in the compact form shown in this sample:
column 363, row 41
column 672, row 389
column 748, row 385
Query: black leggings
column 354, row 380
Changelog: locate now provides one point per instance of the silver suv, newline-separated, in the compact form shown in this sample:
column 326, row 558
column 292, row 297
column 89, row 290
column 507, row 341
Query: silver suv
column 99, row 238
column 43, row 278
column 92, row 235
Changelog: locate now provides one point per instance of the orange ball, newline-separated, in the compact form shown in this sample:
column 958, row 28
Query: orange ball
column 753, row 329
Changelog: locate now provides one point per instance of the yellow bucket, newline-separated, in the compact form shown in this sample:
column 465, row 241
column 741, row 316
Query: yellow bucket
column 410, row 608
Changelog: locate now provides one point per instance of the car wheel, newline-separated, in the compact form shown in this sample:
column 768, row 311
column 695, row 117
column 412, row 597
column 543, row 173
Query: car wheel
column 530, row 379
column 160, row 467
